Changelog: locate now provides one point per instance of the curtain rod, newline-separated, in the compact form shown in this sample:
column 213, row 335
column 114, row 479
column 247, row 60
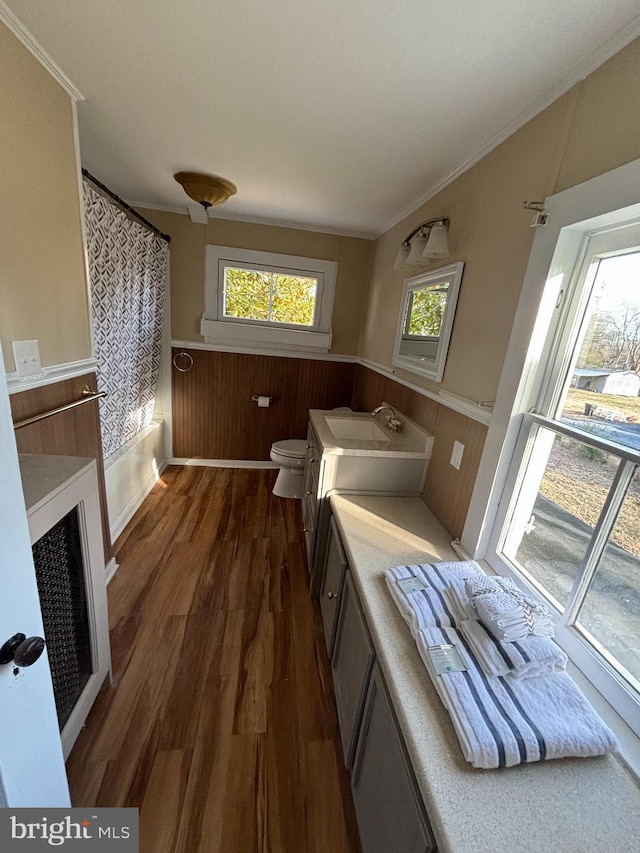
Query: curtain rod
column 126, row 206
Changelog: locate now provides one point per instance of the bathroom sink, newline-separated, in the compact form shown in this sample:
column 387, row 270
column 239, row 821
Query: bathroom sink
column 356, row 429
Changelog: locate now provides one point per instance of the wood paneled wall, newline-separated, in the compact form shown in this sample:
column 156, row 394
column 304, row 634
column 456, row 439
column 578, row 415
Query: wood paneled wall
column 215, row 418
column 72, row 433
column 447, row 491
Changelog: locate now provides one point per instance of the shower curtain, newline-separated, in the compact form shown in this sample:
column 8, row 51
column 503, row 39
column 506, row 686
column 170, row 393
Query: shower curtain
column 127, row 269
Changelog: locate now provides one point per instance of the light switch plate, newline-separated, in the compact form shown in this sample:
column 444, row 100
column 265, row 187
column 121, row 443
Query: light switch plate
column 27, row 358
column 456, row 454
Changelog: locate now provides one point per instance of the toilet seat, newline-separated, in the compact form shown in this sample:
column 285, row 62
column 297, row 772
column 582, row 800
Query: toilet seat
column 292, row 448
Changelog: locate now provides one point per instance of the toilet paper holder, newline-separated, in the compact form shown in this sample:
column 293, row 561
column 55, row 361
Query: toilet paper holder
column 257, row 397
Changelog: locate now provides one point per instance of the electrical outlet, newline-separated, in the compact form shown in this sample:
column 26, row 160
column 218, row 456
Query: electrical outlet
column 456, row 454
column 27, row 358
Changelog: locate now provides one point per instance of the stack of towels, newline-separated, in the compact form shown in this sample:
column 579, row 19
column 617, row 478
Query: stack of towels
column 514, row 702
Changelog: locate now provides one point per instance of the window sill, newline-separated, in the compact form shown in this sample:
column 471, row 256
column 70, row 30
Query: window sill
column 263, row 337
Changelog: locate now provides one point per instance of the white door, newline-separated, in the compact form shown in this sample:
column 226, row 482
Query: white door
column 32, row 771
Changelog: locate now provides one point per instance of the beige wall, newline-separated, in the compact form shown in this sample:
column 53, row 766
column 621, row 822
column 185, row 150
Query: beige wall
column 594, row 128
column 187, row 268
column 43, row 289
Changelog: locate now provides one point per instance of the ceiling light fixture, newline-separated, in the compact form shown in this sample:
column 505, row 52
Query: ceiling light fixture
column 427, row 240
column 207, row 190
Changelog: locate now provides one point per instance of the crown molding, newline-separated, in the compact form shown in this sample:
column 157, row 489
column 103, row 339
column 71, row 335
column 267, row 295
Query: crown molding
column 259, row 220
column 23, row 35
column 587, row 66
column 297, row 226
column 165, row 208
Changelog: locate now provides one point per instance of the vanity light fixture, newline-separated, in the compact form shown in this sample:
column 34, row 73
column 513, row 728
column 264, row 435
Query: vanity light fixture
column 427, row 240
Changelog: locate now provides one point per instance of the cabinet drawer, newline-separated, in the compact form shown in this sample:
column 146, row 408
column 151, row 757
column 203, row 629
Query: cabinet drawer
column 352, row 662
column 334, row 573
column 389, row 808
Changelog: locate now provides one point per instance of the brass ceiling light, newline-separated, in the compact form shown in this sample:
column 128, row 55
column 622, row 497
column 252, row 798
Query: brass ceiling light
column 207, row 190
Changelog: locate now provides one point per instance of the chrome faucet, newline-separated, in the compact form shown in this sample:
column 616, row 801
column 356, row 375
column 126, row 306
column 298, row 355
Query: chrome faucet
column 391, row 422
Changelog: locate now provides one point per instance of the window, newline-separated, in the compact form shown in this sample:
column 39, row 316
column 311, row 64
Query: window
column 570, row 523
column 262, row 299
column 426, row 321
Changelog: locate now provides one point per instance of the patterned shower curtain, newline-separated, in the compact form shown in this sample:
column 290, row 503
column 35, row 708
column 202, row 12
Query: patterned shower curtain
column 127, row 268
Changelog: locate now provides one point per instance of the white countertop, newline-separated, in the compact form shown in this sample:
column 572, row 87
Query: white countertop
column 44, row 474
column 411, row 441
column 569, row 805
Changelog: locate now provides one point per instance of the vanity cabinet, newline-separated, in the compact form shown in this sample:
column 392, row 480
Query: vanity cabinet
column 335, row 568
column 389, row 809
column 351, row 662
column 310, row 494
column 394, row 466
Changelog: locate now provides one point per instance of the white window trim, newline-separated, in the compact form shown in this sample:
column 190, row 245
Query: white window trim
column 230, row 331
column 431, row 368
column 603, row 202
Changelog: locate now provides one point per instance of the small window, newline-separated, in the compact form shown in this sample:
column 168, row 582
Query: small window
column 268, row 296
column 426, row 321
column 262, row 299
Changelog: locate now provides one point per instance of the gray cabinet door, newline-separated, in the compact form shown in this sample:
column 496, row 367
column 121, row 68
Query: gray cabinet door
column 388, row 806
column 310, row 495
column 335, row 566
column 352, row 662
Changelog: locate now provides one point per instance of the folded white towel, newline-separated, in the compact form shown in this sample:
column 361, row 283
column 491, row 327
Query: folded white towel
column 459, row 602
column 512, row 618
column 501, row 722
column 428, row 607
column 481, row 584
column 527, row 658
column 509, row 613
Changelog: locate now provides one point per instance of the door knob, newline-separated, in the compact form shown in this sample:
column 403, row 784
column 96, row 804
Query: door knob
column 8, row 650
column 28, row 651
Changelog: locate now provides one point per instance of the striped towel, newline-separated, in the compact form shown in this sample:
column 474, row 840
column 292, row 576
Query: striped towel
column 502, row 722
column 527, row 658
column 428, row 607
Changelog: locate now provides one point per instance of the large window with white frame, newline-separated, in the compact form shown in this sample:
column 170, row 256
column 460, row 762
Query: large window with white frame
column 263, row 299
column 569, row 522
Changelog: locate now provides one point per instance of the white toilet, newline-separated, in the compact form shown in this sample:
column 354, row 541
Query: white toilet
column 289, row 454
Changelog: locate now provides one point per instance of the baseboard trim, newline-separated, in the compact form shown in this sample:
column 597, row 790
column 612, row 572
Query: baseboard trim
column 110, row 569
column 222, row 463
column 134, row 504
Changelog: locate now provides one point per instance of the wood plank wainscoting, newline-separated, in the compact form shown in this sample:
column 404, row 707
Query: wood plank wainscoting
column 72, row 433
column 220, row 723
column 448, row 491
column 215, row 418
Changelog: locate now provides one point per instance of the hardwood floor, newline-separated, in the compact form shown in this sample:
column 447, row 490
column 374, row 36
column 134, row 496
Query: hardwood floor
column 220, row 723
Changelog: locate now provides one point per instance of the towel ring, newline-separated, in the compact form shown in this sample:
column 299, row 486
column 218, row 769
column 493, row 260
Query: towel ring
column 183, row 355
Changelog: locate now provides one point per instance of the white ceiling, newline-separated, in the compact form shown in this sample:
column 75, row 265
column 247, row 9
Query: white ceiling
column 337, row 115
